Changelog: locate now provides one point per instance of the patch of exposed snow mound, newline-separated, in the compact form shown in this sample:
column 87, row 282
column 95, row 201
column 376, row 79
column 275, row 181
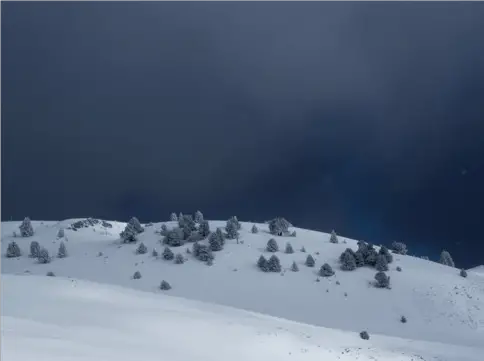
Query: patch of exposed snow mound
column 79, row 320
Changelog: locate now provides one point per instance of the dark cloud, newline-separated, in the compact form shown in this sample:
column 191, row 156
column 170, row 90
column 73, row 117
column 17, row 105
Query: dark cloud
column 357, row 116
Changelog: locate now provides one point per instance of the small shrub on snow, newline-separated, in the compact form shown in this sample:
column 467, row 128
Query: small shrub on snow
column 303, row 250
column 164, row 286
column 137, row 275
column 43, row 256
column 164, row 230
column 62, row 252
column 26, row 229
column 333, row 238
column 463, row 273
column 364, row 335
column 326, row 270
column 294, row 267
column 60, row 233
column 272, row 246
column 399, row 269
column 289, row 249
column 141, row 249
column 382, row 280
column 179, row 259
column 293, row 234
column 338, row 283
column 13, row 250
column 168, row 254
column 254, row 229
column 50, row 274
column 154, row 253
column 403, row 319
column 34, row 249
column 310, row 261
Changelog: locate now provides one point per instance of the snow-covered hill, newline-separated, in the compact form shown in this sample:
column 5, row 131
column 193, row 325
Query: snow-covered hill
column 46, row 318
column 440, row 306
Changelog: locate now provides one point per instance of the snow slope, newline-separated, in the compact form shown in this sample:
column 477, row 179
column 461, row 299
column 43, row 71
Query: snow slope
column 47, row 318
column 440, row 306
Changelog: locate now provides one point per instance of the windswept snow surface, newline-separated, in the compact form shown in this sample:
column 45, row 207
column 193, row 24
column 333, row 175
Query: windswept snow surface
column 47, row 318
column 440, row 306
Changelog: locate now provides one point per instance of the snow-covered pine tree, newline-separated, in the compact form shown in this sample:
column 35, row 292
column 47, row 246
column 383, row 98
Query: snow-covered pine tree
column 198, row 217
column 385, row 252
column 62, row 252
column 272, row 246
column 60, row 233
column 205, row 254
column 359, row 259
column 174, row 238
column 381, row 263
column 326, row 270
column 204, row 228
column 221, row 236
column 232, row 229
column 34, row 249
column 13, row 250
column 236, row 222
column 173, row 217
column 154, row 253
column 168, row 254
column 43, row 256
column 399, row 248
column 26, row 229
column 347, row 260
column 274, row 264
column 333, row 238
column 310, row 261
column 279, row 226
column 254, row 229
column 129, row 234
column 164, row 230
column 371, row 255
column 289, row 248
column 294, row 267
column 141, row 249
column 136, row 225
column 463, row 273
column 215, row 242
column 382, row 280
column 446, row 259
column 262, row 263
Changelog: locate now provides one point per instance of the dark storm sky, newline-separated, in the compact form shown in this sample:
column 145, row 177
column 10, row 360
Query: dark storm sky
column 363, row 117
